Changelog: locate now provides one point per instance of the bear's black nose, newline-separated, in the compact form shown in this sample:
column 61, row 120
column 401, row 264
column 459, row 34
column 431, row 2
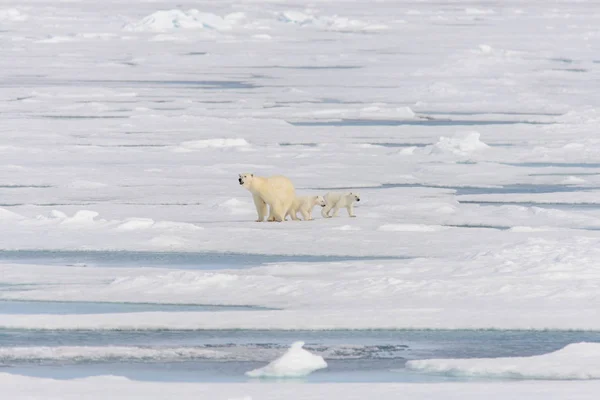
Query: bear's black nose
column 357, row 199
column 240, row 181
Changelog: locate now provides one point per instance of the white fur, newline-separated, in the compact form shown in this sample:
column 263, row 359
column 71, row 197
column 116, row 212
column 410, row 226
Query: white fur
column 337, row 200
column 276, row 191
column 305, row 205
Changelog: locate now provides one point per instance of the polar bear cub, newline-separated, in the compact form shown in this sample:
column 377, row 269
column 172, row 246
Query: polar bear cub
column 277, row 192
column 337, row 200
column 305, row 205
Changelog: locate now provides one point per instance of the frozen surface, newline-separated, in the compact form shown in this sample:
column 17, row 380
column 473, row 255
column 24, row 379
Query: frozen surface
column 553, row 287
column 575, row 361
column 19, row 387
column 296, row 362
column 471, row 131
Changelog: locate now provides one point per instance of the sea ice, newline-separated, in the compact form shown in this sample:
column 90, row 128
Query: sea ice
column 575, row 361
column 17, row 387
column 460, row 144
column 296, row 362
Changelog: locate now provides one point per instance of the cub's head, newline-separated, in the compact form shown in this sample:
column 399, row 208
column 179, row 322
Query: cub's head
column 245, row 180
column 320, row 201
column 355, row 196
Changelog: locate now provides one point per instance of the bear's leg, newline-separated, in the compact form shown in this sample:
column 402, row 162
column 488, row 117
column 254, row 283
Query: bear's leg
column 292, row 213
column 261, row 208
column 310, row 217
column 325, row 211
column 336, row 208
column 305, row 215
column 287, row 208
column 277, row 212
column 271, row 213
column 350, row 209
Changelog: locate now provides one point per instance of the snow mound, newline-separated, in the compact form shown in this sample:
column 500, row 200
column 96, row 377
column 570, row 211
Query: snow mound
column 346, row 228
column 12, row 14
column 134, row 224
column 411, row 228
column 573, row 180
column 105, row 353
column 211, row 144
column 460, row 144
column 9, row 215
column 235, row 207
column 295, row 362
column 166, row 20
column 82, row 217
column 575, row 361
column 333, row 23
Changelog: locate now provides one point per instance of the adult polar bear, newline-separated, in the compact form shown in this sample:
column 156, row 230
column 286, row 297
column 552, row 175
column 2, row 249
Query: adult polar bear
column 277, row 192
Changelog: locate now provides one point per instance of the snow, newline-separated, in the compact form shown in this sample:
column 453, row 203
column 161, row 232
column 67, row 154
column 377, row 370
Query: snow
column 211, row 143
column 575, row 361
column 21, row 387
column 410, row 228
column 165, row 20
column 296, row 362
column 460, row 144
column 333, row 23
column 470, row 129
column 12, row 14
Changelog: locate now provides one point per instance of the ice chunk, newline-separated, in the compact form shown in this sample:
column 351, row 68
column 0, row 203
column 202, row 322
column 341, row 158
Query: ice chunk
column 165, row 20
column 460, row 144
column 83, row 217
column 12, row 14
column 295, row 17
column 575, row 361
column 332, row 23
column 295, row 362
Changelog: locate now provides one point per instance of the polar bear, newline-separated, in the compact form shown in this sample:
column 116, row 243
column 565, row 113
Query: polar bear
column 276, row 191
column 305, row 205
column 336, row 200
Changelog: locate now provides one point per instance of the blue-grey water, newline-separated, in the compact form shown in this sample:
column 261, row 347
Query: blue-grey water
column 225, row 355
column 352, row 355
column 178, row 260
column 91, row 307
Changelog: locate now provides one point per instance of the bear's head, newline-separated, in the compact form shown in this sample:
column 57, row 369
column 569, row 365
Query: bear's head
column 320, row 201
column 246, row 180
column 355, row 196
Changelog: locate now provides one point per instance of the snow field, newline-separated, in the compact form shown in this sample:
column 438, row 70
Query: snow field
column 476, row 158
column 121, row 388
